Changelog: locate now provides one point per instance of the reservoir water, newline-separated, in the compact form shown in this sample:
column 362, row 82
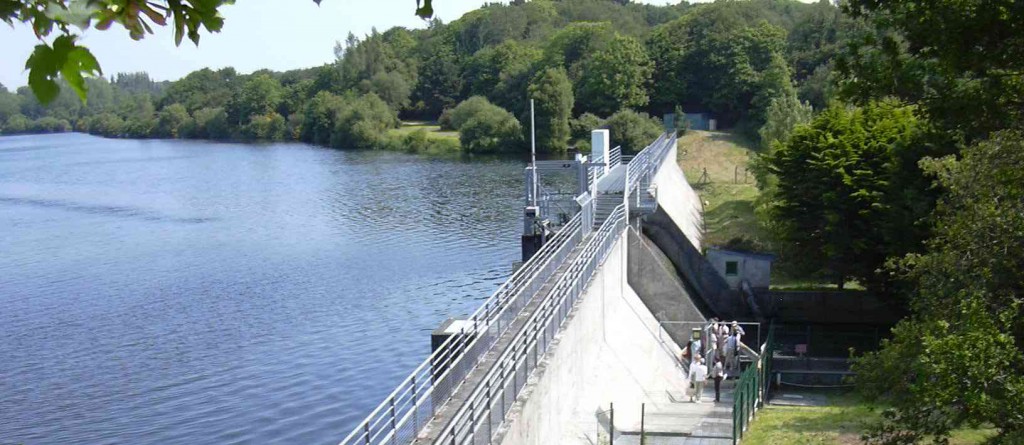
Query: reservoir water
column 187, row 292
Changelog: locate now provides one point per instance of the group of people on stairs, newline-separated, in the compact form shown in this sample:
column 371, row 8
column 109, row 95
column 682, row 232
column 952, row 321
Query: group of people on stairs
column 724, row 341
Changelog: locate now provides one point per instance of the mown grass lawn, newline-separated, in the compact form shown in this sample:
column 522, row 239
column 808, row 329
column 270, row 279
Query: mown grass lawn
column 433, row 130
column 841, row 423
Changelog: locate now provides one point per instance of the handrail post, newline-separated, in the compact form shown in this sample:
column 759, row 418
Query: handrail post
column 394, row 429
column 643, row 409
column 611, row 424
column 415, row 403
column 490, row 404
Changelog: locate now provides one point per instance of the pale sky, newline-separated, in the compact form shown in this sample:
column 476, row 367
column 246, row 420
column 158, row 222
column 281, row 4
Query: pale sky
column 275, row 34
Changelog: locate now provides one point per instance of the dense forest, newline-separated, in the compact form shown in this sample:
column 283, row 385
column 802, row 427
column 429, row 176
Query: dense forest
column 889, row 133
column 584, row 62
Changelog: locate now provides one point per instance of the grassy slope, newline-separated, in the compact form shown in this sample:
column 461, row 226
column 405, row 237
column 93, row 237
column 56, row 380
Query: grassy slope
column 729, row 192
column 840, row 424
column 728, row 197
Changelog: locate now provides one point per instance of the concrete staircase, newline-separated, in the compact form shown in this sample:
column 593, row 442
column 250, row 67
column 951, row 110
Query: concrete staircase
column 605, row 203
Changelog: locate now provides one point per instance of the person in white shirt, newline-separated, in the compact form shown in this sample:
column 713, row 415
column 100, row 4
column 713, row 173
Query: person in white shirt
column 698, row 375
column 718, row 373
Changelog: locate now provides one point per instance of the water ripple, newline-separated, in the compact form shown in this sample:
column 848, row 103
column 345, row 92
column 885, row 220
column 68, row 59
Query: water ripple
column 284, row 291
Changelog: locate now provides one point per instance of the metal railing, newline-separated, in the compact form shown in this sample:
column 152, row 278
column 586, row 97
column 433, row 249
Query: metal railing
column 485, row 410
column 410, row 406
column 614, row 157
column 641, row 169
column 752, row 389
column 414, row 402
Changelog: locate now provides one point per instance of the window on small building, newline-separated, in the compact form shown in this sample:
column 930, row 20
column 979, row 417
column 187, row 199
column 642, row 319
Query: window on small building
column 731, row 268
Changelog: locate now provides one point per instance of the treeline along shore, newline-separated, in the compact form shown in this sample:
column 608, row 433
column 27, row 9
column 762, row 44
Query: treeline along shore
column 586, row 63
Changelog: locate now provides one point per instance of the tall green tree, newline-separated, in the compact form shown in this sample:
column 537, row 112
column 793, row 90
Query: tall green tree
column 440, row 83
column 958, row 361
column 553, row 102
column 961, row 61
column 615, row 77
column 782, row 116
column 841, row 204
column 502, row 73
column 9, row 104
column 259, row 95
column 171, row 120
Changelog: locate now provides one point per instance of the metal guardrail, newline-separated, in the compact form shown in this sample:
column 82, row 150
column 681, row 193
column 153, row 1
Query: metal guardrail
column 641, row 169
column 485, row 409
column 752, row 389
column 414, row 402
column 614, row 157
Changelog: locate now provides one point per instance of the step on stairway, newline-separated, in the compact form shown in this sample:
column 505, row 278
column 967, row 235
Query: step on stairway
column 605, row 203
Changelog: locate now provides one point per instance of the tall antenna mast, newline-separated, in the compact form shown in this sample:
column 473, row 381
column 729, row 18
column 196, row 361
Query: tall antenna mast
column 533, row 153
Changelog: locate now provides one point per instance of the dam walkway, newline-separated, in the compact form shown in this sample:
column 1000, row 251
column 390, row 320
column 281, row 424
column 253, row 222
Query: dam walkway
column 471, row 387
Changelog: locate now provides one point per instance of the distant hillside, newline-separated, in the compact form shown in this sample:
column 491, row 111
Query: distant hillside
column 582, row 60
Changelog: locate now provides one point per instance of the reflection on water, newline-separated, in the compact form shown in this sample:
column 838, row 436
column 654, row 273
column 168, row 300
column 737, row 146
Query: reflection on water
column 193, row 292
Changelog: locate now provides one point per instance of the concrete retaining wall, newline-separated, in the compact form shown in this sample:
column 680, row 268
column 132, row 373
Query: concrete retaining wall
column 653, row 277
column 694, row 268
column 611, row 349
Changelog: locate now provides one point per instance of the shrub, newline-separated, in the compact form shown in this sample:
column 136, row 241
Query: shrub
column 50, row 125
column 490, row 131
column 139, row 127
column 16, row 124
column 171, row 119
column 458, row 116
column 211, row 123
column 270, row 127
column 105, row 124
column 580, row 129
column 420, row 141
column 362, row 122
column 632, row 130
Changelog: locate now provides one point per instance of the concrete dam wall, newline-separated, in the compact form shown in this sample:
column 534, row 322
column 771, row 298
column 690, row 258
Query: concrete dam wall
column 678, row 200
column 610, row 349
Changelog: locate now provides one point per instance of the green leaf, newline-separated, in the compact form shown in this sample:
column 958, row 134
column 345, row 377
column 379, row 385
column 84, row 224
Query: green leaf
column 76, row 12
column 79, row 61
column 63, row 58
column 42, row 66
column 425, row 11
column 8, row 9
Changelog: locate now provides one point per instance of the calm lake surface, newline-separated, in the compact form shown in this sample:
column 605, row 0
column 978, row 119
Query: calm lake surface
column 196, row 292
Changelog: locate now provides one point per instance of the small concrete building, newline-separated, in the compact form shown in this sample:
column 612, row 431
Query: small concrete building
column 735, row 267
